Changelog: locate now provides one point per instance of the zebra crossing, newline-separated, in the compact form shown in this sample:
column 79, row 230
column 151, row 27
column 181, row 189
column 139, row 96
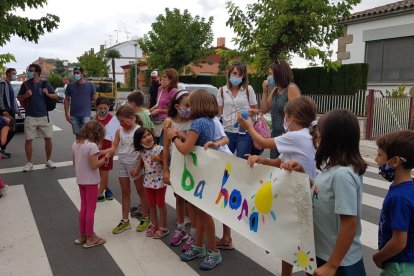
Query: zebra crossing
column 132, row 253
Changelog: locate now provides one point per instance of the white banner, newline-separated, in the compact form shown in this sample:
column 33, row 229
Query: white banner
column 266, row 205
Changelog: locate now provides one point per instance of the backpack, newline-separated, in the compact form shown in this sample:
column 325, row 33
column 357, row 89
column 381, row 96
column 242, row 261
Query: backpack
column 263, row 129
column 50, row 103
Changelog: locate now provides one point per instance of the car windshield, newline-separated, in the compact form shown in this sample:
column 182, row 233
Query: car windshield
column 211, row 89
column 103, row 87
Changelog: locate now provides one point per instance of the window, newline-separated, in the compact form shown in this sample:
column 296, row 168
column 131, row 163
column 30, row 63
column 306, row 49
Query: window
column 390, row 60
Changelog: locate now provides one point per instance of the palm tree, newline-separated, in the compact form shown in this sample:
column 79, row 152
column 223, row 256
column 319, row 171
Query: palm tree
column 113, row 54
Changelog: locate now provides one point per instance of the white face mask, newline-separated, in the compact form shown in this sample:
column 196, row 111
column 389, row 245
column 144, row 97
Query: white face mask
column 286, row 124
column 147, row 147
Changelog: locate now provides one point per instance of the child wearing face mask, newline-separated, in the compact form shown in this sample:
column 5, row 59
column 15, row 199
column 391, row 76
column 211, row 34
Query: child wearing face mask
column 150, row 159
column 109, row 122
column 395, row 159
column 298, row 143
column 179, row 113
column 128, row 158
column 136, row 100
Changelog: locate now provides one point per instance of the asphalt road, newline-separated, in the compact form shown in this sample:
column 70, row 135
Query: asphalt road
column 53, row 210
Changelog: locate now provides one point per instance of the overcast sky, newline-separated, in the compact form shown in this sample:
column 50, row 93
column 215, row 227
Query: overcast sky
column 86, row 24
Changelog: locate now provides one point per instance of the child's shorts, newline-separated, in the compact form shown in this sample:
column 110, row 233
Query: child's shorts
column 3, row 122
column 124, row 170
column 401, row 269
column 106, row 144
column 156, row 196
column 352, row 270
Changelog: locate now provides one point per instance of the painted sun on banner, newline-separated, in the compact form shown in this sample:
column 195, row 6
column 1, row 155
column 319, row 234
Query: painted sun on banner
column 268, row 206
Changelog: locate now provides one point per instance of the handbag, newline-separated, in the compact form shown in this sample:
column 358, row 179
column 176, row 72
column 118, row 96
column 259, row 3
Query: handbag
column 262, row 128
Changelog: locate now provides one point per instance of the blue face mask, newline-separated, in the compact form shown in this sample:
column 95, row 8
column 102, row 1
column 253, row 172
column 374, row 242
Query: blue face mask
column 30, row 75
column 235, row 81
column 77, row 77
column 387, row 172
column 184, row 112
column 14, row 77
column 271, row 81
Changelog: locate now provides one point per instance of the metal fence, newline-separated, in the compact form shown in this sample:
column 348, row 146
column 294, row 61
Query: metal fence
column 356, row 103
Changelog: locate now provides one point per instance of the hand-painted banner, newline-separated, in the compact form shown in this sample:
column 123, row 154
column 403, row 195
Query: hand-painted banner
column 267, row 205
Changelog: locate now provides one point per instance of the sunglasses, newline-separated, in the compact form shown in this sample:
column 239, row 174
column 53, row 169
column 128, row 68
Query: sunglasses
column 238, row 63
column 76, row 68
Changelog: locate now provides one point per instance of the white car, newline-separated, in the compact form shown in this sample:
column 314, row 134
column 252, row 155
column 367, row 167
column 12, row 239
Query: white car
column 60, row 91
column 192, row 87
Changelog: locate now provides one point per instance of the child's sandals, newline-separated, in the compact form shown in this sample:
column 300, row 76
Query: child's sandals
column 96, row 242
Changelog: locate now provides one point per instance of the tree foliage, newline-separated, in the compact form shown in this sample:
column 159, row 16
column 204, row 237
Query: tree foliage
column 95, row 65
column 55, row 80
column 276, row 29
column 25, row 28
column 59, row 69
column 177, row 39
column 112, row 54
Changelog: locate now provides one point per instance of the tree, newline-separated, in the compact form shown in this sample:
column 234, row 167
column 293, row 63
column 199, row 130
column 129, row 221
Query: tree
column 59, row 69
column 55, row 80
column 177, row 40
column 23, row 27
column 95, row 65
column 276, row 29
column 113, row 54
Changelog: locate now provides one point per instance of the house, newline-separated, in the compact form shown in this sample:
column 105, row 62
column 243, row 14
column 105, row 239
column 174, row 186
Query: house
column 47, row 65
column 130, row 53
column 383, row 37
column 209, row 65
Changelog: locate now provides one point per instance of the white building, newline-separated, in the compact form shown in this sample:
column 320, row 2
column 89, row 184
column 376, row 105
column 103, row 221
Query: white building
column 383, row 37
column 128, row 51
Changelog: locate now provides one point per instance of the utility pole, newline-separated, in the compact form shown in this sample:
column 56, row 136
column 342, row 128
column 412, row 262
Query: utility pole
column 117, row 32
column 110, row 40
column 135, row 75
column 127, row 35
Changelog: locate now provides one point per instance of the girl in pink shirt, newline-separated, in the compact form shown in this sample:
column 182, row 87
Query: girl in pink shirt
column 85, row 159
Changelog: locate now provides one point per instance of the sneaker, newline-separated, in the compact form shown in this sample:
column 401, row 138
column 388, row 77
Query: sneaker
column 193, row 253
column 50, row 164
column 161, row 233
column 109, row 195
column 4, row 154
column 188, row 243
column 121, row 227
column 28, row 167
column 211, row 260
column 143, row 225
column 100, row 198
column 179, row 236
column 187, row 221
column 151, row 230
column 3, row 191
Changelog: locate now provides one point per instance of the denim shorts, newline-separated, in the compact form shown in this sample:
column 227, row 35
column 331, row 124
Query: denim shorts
column 351, row 270
column 242, row 144
column 78, row 123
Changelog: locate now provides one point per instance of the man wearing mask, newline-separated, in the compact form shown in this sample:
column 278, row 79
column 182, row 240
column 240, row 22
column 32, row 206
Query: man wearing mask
column 8, row 106
column 80, row 94
column 153, row 91
column 37, row 122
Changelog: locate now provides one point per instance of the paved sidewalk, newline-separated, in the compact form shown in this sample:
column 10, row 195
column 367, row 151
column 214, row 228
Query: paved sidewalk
column 368, row 150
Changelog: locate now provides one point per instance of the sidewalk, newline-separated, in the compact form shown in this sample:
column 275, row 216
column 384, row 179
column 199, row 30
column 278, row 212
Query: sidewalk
column 368, row 150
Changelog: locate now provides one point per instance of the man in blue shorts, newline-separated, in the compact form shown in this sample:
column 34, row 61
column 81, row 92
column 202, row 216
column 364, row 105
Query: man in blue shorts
column 80, row 95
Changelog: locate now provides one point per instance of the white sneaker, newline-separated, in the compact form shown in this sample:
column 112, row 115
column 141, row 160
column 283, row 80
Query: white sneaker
column 28, row 167
column 3, row 191
column 50, row 164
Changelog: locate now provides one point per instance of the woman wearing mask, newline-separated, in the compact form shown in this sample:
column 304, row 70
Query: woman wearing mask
column 275, row 100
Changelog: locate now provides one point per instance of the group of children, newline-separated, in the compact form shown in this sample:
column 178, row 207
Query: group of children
column 330, row 145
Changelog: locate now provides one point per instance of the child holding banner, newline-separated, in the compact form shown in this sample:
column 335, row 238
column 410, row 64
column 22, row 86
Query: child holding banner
column 203, row 110
column 179, row 112
column 298, row 143
column 111, row 124
column 337, row 198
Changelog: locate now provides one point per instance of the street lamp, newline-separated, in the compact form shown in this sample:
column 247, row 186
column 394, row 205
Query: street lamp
column 65, row 64
column 135, row 75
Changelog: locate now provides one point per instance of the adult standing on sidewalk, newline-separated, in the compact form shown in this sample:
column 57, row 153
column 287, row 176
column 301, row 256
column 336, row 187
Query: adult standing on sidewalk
column 37, row 122
column 8, row 106
column 153, row 91
column 80, row 95
column 275, row 102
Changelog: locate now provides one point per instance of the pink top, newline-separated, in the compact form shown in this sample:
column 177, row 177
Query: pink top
column 85, row 174
column 164, row 99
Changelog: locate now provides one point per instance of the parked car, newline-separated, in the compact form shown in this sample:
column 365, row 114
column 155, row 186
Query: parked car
column 60, row 91
column 192, row 87
column 18, row 117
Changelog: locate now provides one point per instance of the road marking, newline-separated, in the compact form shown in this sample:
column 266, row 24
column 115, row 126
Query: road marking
column 369, row 234
column 376, row 183
column 21, row 249
column 56, row 128
column 373, row 201
column 58, row 110
column 133, row 252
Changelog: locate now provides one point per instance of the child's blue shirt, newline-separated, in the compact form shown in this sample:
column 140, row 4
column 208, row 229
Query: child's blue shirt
column 398, row 214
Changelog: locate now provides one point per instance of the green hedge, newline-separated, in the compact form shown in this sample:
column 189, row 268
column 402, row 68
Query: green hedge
column 313, row 80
